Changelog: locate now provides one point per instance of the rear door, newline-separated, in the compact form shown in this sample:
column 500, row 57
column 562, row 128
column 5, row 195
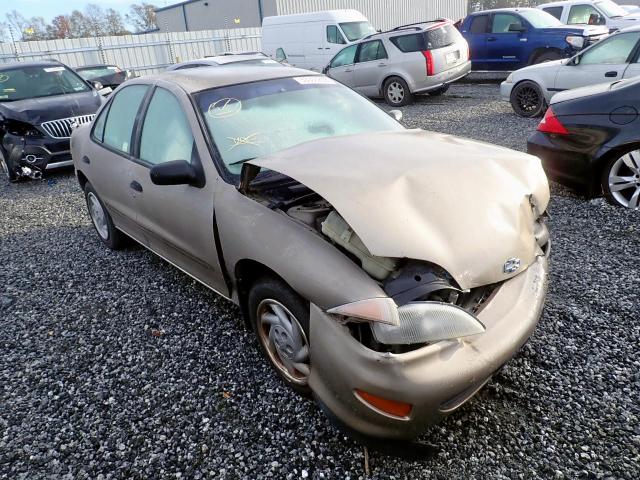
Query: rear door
column 506, row 49
column 341, row 67
column 476, row 36
column 370, row 67
column 606, row 61
column 107, row 161
column 179, row 219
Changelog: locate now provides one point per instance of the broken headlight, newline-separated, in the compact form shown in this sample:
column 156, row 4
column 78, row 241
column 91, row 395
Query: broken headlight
column 22, row 129
column 413, row 323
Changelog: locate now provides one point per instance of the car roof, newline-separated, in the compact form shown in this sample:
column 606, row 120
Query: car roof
column 222, row 59
column 197, row 79
column 494, row 10
column 39, row 63
column 96, row 65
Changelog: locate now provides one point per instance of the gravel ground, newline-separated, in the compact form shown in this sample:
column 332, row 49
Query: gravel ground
column 116, row 365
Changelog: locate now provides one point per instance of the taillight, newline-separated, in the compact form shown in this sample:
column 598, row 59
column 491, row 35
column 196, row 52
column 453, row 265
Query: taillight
column 551, row 124
column 429, row 59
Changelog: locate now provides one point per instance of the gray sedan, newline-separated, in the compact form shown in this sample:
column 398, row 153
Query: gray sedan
column 373, row 272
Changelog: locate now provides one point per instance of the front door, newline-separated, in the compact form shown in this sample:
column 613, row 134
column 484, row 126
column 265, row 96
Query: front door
column 606, row 61
column 341, row 67
column 505, row 48
column 177, row 218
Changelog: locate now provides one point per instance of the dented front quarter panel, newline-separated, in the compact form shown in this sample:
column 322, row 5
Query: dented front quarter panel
column 458, row 203
column 301, row 256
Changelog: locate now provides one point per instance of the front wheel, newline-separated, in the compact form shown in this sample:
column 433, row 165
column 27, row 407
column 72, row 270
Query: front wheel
column 280, row 320
column 6, row 167
column 621, row 180
column 396, row 92
column 527, row 99
column 108, row 233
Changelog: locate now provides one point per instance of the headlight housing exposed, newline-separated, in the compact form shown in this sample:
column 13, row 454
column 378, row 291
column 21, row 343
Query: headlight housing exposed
column 575, row 41
column 413, row 323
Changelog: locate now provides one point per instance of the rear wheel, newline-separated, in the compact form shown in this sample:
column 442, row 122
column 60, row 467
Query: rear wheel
column 280, row 319
column 621, row 180
column 440, row 91
column 396, row 92
column 108, row 233
column 546, row 57
column 527, row 99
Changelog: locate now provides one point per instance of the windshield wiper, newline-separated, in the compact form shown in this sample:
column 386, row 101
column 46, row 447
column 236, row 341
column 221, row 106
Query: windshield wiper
column 240, row 162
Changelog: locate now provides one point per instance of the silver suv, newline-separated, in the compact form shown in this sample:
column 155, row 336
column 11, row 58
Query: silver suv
column 416, row 58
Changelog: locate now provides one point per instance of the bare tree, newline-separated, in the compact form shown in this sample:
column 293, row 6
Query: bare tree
column 142, row 16
column 95, row 16
column 17, row 23
column 114, row 23
column 60, row 27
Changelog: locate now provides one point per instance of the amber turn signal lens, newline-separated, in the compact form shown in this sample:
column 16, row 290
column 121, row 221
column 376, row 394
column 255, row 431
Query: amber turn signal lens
column 391, row 407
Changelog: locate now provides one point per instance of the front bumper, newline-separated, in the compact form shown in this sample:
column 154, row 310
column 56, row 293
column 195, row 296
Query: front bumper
column 505, row 91
column 435, row 379
column 36, row 154
column 435, row 82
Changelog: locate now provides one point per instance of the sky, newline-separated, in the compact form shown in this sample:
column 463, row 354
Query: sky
column 50, row 8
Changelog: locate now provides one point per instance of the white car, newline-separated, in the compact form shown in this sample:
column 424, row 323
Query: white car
column 530, row 89
column 592, row 12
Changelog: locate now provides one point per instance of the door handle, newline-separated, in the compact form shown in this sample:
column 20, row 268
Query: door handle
column 327, row 48
column 491, row 39
column 348, row 71
column 136, row 186
column 86, row 160
column 320, row 48
column 611, row 74
column 382, row 64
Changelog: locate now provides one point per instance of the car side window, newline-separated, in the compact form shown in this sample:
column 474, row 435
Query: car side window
column 611, row 51
column 280, row 55
column 346, row 56
column 579, row 14
column 122, row 114
column 479, row 24
column 166, row 133
column 334, row 35
column 98, row 125
column 502, row 22
column 555, row 11
column 409, row 43
column 370, row 51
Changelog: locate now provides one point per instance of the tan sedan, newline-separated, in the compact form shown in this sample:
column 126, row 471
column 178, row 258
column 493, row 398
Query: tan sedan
column 389, row 271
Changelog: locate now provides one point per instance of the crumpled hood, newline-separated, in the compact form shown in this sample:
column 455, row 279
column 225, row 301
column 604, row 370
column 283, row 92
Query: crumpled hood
column 461, row 204
column 38, row 110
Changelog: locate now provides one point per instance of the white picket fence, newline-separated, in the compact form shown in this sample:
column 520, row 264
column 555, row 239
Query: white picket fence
column 147, row 53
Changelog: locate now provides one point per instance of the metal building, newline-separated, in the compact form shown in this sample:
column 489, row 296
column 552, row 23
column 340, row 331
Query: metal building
column 194, row 15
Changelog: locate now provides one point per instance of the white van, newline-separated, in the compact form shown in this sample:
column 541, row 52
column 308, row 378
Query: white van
column 592, row 12
column 310, row 40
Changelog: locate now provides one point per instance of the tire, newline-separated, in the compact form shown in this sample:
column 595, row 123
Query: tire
column 7, row 168
column 620, row 179
column 396, row 92
column 546, row 57
column 280, row 319
column 102, row 222
column 527, row 99
column 440, row 91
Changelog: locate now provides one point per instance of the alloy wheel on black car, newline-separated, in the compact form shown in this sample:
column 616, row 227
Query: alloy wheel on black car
column 621, row 180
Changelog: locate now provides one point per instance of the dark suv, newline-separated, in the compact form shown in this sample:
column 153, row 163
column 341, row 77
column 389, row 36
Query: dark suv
column 40, row 104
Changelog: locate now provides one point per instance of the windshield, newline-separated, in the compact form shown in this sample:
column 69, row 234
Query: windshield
column 357, row 30
column 96, row 72
column 540, row 19
column 611, row 10
column 260, row 118
column 41, row 81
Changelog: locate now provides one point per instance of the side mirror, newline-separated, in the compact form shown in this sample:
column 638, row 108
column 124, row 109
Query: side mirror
column 177, row 172
column 325, row 70
column 396, row 114
column 516, row 27
column 97, row 85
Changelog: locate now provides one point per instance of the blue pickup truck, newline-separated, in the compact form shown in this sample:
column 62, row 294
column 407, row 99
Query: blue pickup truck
column 511, row 38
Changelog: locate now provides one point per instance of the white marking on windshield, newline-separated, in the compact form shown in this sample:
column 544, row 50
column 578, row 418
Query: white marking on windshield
column 225, row 107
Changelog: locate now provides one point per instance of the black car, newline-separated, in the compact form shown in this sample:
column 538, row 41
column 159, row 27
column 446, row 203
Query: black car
column 107, row 75
column 40, row 104
column 589, row 139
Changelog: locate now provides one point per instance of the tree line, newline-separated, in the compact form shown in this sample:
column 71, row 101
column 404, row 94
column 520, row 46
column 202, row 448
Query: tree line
column 93, row 21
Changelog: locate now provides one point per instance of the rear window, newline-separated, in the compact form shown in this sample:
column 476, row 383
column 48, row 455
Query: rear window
column 479, row 24
column 442, row 36
column 409, row 43
column 555, row 11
